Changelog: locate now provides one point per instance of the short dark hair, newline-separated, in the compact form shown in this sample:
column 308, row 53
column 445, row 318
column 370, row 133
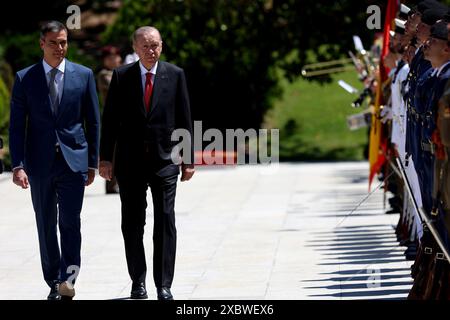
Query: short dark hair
column 52, row 26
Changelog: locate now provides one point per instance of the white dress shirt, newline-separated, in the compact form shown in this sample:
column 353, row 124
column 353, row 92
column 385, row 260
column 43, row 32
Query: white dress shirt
column 144, row 71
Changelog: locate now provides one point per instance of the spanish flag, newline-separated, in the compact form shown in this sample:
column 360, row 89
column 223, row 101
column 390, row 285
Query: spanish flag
column 378, row 141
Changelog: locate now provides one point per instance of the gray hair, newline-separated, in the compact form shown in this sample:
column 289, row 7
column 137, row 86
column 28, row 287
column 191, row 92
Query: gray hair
column 52, row 26
column 145, row 29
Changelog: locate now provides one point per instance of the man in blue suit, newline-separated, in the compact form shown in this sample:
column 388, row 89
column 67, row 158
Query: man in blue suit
column 54, row 145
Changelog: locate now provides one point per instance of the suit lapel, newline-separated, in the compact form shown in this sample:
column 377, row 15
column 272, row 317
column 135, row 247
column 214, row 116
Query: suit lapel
column 136, row 87
column 70, row 82
column 158, row 86
column 42, row 87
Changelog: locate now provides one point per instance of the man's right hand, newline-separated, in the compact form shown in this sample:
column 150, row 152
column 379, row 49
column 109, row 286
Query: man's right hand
column 20, row 178
column 105, row 169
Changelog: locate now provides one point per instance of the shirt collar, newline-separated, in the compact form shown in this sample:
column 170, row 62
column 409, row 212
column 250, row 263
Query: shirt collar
column 441, row 67
column 144, row 70
column 48, row 68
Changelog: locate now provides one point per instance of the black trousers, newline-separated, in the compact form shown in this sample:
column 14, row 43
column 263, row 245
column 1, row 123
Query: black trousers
column 133, row 195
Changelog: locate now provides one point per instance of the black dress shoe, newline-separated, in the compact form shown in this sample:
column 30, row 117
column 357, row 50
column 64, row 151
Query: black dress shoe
column 164, row 293
column 138, row 291
column 405, row 243
column 411, row 252
column 54, row 292
column 392, row 211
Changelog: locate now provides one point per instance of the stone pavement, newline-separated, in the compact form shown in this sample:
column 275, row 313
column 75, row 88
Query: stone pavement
column 243, row 233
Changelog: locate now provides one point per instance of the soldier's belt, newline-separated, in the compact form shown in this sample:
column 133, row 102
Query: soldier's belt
column 428, row 146
column 440, row 256
column 409, row 105
column 424, row 117
column 413, row 113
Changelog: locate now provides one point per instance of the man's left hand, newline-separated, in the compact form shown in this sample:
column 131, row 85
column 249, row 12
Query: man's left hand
column 91, row 176
column 187, row 171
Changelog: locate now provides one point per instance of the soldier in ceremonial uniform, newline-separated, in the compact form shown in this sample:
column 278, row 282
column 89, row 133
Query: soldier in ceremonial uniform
column 406, row 228
column 418, row 67
column 419, row 84
column 437, row 51
column 429, row 271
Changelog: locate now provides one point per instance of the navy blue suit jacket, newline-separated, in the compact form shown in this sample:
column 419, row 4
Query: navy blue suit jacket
column 34, row 129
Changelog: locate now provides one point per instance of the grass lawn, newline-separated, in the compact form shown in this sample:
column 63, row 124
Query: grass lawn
column 312, row 120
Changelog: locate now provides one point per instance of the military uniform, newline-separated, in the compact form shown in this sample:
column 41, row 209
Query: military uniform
column 419, row 66
column 409, row 221
column 431, row 271
column 398, row 135
column 421, row 149
column 437, row 284
column 417, row 78
column 438, row 169
column 441, row 189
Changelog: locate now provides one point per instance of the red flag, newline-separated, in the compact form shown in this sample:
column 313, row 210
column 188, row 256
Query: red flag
column 378, row 141
column 389, row 23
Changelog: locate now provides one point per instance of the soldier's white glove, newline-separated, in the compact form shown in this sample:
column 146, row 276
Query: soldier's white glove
column 386, row 114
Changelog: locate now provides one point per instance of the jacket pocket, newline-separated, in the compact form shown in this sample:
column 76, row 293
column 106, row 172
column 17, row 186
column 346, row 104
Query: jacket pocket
column 80, row 138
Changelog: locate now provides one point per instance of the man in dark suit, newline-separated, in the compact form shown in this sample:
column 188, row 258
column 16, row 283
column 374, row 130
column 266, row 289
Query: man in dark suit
column 147, row 100
column 54, row 140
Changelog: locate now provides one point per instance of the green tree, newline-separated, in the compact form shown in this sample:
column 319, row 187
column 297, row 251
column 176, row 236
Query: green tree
column 232, row 50
column 4, row 119
column 4, row 107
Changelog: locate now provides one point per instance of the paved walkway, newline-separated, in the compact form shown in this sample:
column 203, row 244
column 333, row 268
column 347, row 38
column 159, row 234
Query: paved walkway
column 243, row 233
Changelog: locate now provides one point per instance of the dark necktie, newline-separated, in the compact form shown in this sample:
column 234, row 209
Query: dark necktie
column 53, row 91
column 148, row 90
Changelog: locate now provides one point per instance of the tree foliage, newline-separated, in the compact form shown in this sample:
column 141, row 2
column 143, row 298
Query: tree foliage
column 232, row 50
column 4, row 107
